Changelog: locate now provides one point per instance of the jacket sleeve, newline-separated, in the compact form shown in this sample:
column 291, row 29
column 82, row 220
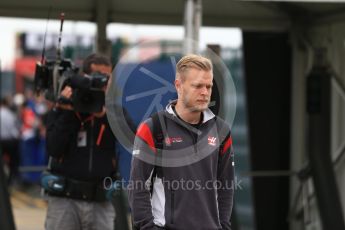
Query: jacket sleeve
column 226, row 178
column 140, row 179
column 62, row 128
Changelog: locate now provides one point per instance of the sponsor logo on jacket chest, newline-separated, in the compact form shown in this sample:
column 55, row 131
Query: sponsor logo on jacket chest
column 170, row 140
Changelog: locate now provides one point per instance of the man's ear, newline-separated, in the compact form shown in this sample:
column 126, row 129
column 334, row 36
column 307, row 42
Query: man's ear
column 178, row 84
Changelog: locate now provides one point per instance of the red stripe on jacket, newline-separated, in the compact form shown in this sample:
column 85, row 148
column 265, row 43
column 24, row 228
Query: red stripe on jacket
column 145, row 134
column 227, row 145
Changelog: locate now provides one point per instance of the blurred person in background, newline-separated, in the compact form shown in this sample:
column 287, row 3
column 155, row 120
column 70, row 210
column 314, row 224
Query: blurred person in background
column 9, row 138
column 29, row 140
column 32, row 111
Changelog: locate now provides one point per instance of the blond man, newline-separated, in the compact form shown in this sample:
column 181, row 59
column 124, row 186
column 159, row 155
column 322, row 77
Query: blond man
column 183, row 155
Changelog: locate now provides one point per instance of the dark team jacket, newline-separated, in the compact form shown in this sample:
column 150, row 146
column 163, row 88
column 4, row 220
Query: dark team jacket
column 82, row 146
column 192, row 186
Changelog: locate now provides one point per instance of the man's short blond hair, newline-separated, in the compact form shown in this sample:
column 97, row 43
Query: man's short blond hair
column 192, row 61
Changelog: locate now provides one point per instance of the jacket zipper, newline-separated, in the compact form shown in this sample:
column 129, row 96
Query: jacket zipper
column 91, row 146
column 194, row 138
column 172, row 206
column 194, row 144
column 190, row 132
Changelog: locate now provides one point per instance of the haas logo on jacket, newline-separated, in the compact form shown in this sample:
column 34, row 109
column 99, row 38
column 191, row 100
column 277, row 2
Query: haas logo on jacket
column 212, row 141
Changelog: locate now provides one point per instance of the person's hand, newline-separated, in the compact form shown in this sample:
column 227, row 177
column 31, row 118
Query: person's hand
column 67, row 94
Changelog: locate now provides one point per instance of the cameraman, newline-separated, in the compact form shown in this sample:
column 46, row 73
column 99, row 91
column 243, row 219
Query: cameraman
column 82, row 151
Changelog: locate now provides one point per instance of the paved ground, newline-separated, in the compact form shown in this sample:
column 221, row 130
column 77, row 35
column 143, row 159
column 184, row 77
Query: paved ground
column 29, row 209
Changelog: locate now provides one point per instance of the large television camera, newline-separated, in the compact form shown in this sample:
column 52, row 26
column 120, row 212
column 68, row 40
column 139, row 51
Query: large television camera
column 52, row 76
column 88, row 95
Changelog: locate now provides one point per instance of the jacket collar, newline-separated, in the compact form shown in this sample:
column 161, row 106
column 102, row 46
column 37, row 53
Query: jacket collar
column 207, row 114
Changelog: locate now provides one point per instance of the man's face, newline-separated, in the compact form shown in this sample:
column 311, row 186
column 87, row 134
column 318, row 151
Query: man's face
column 104, row 69
column 195, row 91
